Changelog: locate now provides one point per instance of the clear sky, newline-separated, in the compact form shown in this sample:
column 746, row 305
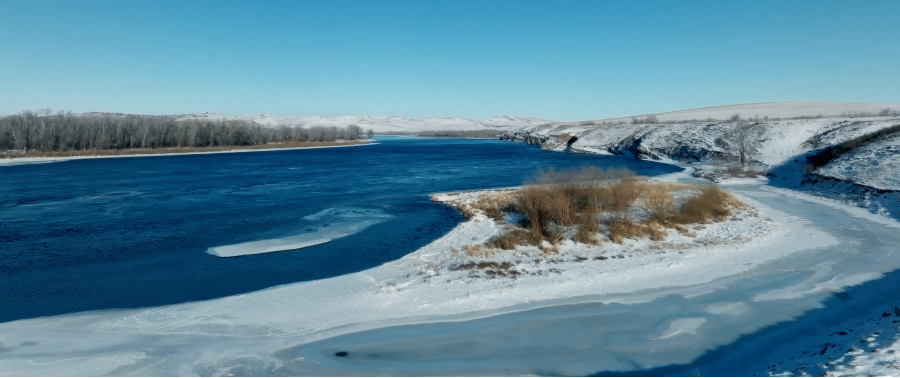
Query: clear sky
column 557, row 60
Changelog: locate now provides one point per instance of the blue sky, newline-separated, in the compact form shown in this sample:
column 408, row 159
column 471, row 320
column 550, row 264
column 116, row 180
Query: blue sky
column 558, row 60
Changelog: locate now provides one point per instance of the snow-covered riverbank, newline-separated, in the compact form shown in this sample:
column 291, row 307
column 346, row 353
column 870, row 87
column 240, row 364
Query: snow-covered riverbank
column 246, row 331
column 659, row 304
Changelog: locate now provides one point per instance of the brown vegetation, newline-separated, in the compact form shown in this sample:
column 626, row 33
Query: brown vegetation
column 566, row 198
column 586, row 202
column 712, row 204
column 512, row 239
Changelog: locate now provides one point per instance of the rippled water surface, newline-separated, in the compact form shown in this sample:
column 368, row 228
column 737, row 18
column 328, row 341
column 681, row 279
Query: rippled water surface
column 133, row 232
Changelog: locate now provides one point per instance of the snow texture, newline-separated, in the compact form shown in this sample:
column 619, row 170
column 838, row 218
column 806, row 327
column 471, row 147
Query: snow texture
column 876, row 165
column 328, row 225
column 782, row 109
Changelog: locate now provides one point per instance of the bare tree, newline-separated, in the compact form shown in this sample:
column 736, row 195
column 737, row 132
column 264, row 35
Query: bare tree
column 353, row 132
column 63, row 131
column 744, row 140
column 370, row 133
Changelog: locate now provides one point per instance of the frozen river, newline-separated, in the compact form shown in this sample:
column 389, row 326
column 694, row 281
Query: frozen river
column 729, row 326
column 837, row 263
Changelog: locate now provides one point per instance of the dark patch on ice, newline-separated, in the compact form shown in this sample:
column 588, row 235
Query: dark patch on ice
column 341, row 354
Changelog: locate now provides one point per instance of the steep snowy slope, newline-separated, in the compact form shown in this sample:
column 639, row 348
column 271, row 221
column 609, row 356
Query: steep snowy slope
column 876, row 165
column 700, row 141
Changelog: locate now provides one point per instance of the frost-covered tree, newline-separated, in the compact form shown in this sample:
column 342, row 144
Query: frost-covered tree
column 63, row 131
column 744, row 140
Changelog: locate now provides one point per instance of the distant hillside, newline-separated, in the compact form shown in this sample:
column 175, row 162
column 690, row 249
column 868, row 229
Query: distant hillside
column 782, row 109
column 382, row 124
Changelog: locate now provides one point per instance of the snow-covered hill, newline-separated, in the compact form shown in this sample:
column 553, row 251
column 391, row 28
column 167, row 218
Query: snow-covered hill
column 876, row 165
column 382, row 124
column 861, row 176
column 782, row 109
column 698, row 141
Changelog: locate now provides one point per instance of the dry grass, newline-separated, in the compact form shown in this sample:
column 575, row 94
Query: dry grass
column 558, row 203
column 712, row 204
column 494, row 205
column 588, row 228
column 621, row 228
column 176, row 150
column 512, row 239
column 474, row 250
column 568, row 198
column 658, row 201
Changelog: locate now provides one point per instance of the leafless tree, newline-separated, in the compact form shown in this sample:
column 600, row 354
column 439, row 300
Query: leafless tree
column 63, row 131
column 744, row 140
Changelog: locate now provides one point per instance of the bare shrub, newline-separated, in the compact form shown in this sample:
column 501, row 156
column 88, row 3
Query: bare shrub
column 621, row 195
column 621, row 228
column 566, row 198
column 588, row 227
column 558, row 201
column 512, row 239
column 711, row 204
column 657, row 201
column 541, row 205
column 655, row 230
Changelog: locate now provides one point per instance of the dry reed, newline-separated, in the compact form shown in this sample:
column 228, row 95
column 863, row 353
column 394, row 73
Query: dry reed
column 558, row 201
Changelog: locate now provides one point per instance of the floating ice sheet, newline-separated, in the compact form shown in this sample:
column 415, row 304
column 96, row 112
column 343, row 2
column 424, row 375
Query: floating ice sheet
column 327, row 225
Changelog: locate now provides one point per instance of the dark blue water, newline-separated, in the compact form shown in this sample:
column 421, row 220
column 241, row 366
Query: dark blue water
column 133, row 232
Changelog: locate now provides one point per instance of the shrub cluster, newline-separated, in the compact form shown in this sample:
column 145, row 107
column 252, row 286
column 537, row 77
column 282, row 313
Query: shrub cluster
column 584, row 201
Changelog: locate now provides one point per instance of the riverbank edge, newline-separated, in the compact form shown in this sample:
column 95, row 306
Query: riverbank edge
column 40, row 159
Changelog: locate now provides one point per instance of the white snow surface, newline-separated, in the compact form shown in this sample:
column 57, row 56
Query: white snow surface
column 329, row 224
column 254, row 333
column 782, row 140
column 246, row 329
column 381, row 124
column 778, row 109
column 853, row 348
column 876, row 165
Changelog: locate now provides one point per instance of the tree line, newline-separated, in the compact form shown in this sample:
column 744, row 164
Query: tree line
column 44, row 130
